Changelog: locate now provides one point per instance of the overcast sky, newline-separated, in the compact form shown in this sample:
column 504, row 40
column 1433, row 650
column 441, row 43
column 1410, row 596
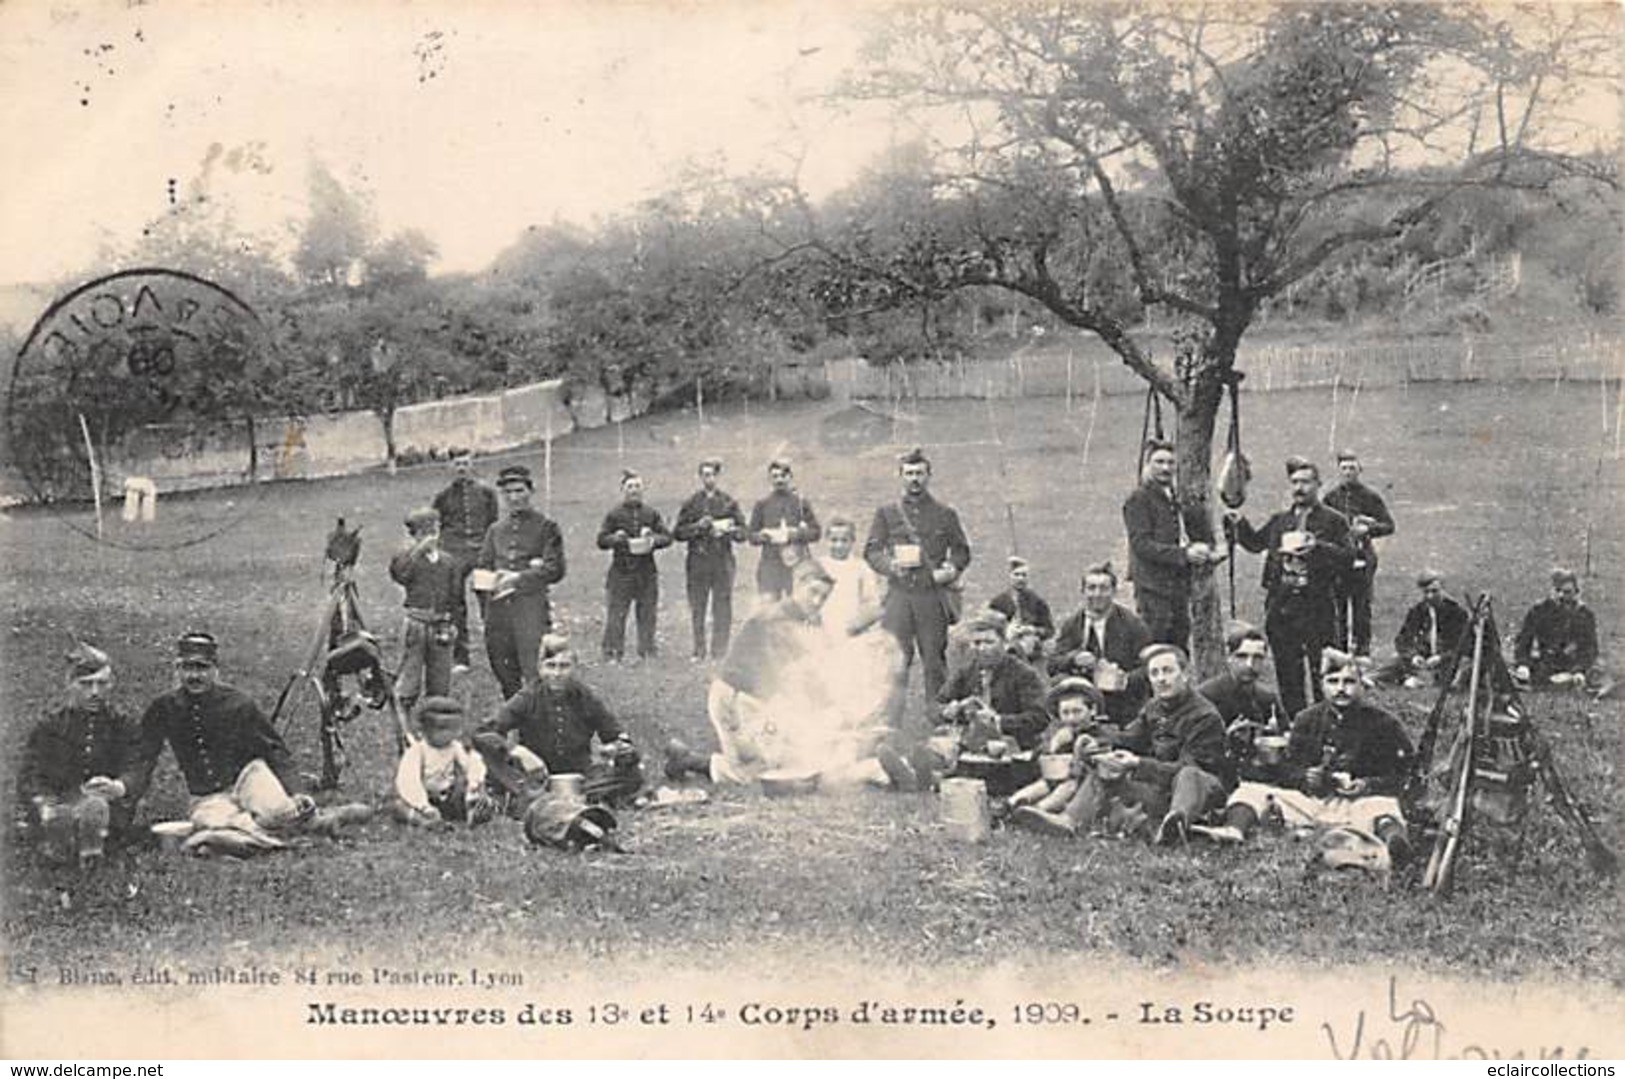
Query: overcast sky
column 467, row 121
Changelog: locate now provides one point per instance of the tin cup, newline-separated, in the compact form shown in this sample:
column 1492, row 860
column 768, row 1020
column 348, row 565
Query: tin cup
column 567, row 785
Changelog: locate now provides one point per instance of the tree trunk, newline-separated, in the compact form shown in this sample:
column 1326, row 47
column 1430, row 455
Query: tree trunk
column 1194, row 440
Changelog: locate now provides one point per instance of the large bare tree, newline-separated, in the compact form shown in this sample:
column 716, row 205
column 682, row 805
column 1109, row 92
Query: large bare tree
column 1198, row 159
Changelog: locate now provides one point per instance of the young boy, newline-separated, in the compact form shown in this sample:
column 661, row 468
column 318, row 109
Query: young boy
column 429, row 634
column 439, row 779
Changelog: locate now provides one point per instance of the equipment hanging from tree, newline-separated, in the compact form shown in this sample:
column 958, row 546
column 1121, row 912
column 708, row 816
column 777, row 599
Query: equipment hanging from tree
column 1234, row 473
column 1150, row 427
column 342, row 649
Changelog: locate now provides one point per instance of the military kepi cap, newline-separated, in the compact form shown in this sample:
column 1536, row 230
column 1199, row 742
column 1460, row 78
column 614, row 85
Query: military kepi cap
column 87, row 661
column 514, row 476
column 197, row 650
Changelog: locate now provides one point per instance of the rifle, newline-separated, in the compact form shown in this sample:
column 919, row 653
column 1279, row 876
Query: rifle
column 1440, row 873
column 1423, row 761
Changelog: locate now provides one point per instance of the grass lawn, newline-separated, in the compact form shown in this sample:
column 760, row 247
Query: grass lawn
column 1491, row 484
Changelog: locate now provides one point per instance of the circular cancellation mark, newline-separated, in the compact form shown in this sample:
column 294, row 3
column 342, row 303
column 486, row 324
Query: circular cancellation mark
column 139, row 386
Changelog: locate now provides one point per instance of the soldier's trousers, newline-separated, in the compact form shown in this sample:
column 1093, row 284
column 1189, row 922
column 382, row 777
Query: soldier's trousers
column 514, row 627
column 711, row 586
column 623, row 590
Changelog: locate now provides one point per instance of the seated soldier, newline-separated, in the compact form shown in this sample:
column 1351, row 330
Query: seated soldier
column 1426, row 643
column 1075, row 705
column 235, row 764
column 1557, row 643
column 1103, row 642
column 1249, row 708
column 1346, row 763
column 771, row 703
column 994, row 697
column 438, row 780
column 70, row 794
column 555, row 721
column 1021, row 606
column 1170, row 763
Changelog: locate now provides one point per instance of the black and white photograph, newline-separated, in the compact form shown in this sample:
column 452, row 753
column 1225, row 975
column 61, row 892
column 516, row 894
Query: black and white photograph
column 873, row 529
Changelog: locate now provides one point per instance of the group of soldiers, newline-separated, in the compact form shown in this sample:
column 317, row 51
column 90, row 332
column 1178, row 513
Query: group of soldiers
column 1109, row 687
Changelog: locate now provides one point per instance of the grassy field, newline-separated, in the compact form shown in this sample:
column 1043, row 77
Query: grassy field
column 1491, row 484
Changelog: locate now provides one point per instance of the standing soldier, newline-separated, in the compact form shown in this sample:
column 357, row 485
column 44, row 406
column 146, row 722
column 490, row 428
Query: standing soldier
column 782, row 524
column 524, row 551
column 1164, row 543
column 632, row 532
column 917, row 544
column 69, row 785
column 1306, row 548
column 467, row 508
column 710, row 522
column 430, row 578
column 1368, row 518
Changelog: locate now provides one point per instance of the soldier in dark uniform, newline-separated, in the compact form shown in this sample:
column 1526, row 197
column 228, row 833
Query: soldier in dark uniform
column 710, row 522
column 1164, row 543
column 525, row 551
column 467, row 508
column 1021, row 605
column 1425, row 646
column 1171, row 762
column 1557, row 642
column 782, row 525
column 1346, row 763
column 70, row 794
column 1102, row 641
column 918, row 545
column 1306, row 548
column 1368, row 518
column 555, row 721
column 632, row 532
column 1238, row 693
column 235, row 764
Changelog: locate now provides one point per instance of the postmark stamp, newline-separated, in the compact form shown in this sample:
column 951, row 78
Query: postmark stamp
column 139, row 387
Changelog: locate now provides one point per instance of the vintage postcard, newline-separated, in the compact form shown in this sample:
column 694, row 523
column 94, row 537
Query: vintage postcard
column 728, row 529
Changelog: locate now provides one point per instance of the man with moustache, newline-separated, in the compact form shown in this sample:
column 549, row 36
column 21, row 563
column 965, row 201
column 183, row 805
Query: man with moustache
column 1306, row 549
column 70, row 794
column 710, row 523
column 1346, row 763
column 919, row 546
column 1239, row 693
column 632, row 532
column 525, row 553
column 1164, row 543
column 236, row 766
